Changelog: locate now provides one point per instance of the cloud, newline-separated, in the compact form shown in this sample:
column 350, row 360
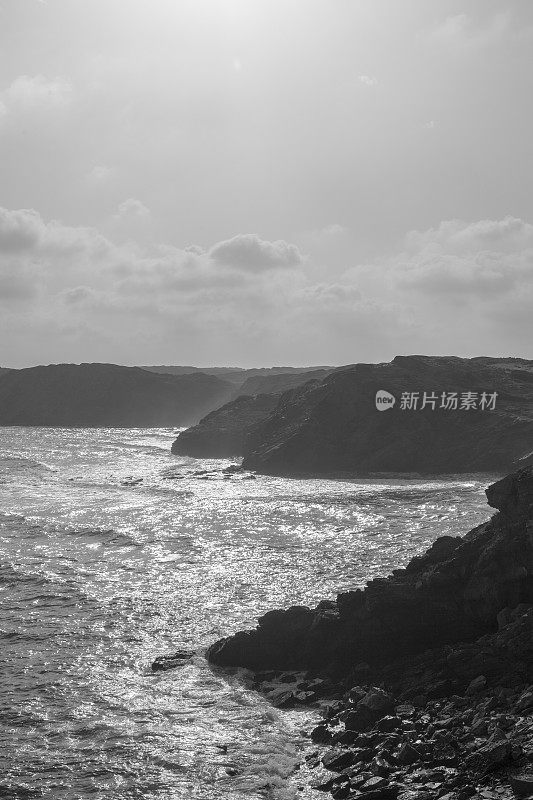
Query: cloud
column 60, row 255
column 132, row 209
column 72, row 288
column 332, row 230
column 368, row 80
column 19, row 230
column 99, row 175
column 69, row 293
column 327, row 244
column 78, row 294
column 28, row 93
column 332, row 296
column 132, row 222
column 468, row 262
column 248, row 252
column 24, row 231
column 509, row 235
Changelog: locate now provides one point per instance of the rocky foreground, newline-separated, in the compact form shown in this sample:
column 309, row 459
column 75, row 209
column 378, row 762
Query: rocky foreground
column 425, row 678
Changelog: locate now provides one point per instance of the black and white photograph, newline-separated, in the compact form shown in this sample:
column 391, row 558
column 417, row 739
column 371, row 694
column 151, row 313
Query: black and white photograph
column 266, row 399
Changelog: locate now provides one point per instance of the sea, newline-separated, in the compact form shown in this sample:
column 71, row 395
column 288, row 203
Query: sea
column 113, row 551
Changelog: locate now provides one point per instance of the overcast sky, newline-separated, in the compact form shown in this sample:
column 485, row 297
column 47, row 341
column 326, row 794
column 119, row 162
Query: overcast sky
column 258, row 182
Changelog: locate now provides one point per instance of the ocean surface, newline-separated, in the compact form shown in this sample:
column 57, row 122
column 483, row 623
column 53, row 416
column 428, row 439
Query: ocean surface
column 113, row 551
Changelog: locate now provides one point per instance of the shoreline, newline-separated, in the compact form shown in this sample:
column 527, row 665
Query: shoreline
column 421, row 728
column 425, row 677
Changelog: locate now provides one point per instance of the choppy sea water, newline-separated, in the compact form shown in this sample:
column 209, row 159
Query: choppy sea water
column 114, row 551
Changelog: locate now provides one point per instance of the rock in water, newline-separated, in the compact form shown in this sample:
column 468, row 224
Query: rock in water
column 163, row 663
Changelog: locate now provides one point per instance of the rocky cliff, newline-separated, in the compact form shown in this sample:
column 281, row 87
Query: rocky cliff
column 222, row 433
column 334, row 426
column 453, row 593
column 106, row 395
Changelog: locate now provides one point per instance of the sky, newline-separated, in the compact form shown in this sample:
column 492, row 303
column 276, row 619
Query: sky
column 261, row 182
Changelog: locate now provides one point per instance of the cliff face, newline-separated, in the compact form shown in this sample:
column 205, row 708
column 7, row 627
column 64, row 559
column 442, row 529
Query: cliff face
column 106, row 395
column 453, row 593
column 334, row 426
column 222, row 433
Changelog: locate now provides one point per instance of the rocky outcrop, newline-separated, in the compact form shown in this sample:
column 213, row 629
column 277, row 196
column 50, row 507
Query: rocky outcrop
column 453, row 593
column 425, row 678
column 334, row 426
column 331, row 425
column 106, row 395
column 454, row 723
column 454, row 738
column 222, row 433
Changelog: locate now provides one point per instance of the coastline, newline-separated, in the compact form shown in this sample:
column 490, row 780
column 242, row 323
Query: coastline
column 425, row 678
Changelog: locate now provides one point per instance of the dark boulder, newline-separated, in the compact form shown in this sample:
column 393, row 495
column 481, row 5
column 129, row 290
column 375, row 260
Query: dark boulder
column 178, row 659
column 522, row 785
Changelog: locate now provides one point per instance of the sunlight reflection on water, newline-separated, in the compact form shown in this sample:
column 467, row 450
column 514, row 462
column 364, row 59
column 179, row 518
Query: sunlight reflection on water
column 102, row 571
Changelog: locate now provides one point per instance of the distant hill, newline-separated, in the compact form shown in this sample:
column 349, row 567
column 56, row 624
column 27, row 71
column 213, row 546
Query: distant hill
column 232, row 374
column 331, row 425
column 236, row 375
column 334, row 426
column 4, row 370
column 280, row 382
column 106, row 395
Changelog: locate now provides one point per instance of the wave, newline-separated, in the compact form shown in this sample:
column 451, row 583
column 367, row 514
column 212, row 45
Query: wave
column 17, row 464
column 146, row 448
column 380, row 496
column 5, row 516
column 109, row 538
column 411, row 494
column 11, row 576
